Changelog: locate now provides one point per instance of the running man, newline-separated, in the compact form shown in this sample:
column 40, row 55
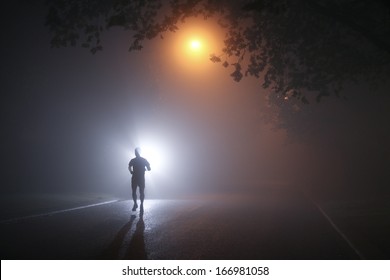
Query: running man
column 137, row 167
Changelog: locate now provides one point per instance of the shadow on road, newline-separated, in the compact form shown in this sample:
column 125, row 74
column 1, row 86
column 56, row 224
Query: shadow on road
column 118, row 249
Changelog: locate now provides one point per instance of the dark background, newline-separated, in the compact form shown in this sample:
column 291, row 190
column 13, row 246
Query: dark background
column 70, row 121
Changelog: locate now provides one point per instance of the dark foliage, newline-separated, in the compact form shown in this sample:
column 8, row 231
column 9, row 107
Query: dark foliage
column 301, row 50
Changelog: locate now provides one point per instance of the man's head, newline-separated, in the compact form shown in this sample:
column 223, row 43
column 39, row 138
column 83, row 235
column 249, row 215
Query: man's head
column 137, row 152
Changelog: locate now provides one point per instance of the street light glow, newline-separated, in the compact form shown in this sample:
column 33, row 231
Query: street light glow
column 195, row 45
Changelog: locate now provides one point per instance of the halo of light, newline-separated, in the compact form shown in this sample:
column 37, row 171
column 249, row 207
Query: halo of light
column 154, row 155
column 156, row 152
column 190, row 47
column 195, row 45
column 155, row 149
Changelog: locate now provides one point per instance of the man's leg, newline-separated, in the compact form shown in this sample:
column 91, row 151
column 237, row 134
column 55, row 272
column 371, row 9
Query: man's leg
column 134, row 193
column 142, row 190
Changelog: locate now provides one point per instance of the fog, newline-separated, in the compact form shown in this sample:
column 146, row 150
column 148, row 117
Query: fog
column 71, row 121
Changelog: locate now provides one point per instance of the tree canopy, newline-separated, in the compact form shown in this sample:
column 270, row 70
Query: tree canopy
column 301, row 50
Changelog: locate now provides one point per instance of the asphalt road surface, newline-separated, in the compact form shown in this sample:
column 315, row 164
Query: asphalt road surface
column 268, row 225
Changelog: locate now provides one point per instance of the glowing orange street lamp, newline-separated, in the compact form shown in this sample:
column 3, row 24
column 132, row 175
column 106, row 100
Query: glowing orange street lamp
column 195, row 45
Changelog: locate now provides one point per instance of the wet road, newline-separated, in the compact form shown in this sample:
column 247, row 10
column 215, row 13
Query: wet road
column 268, row 225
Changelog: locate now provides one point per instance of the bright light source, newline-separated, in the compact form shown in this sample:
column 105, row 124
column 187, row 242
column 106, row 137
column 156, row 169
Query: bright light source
column 161, row 154
column 195, row 45
column 155, row 153
column 191, row 46
column 154, row 156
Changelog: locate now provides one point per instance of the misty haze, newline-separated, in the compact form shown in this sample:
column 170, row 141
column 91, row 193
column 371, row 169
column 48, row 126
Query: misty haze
column 296, row 181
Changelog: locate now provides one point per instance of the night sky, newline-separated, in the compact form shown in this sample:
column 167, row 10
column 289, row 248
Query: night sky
column 71, row 120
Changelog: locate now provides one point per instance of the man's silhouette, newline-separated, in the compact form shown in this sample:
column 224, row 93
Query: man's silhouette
column 137, row 167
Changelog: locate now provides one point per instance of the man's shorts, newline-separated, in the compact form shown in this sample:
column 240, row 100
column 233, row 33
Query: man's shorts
column 136, row 181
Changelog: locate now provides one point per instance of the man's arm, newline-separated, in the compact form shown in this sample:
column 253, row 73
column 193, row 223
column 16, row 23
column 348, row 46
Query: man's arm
column 131, row 167
column 148, row 166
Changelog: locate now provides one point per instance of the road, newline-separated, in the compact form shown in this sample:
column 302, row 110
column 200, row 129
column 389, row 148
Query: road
column 267, row 225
